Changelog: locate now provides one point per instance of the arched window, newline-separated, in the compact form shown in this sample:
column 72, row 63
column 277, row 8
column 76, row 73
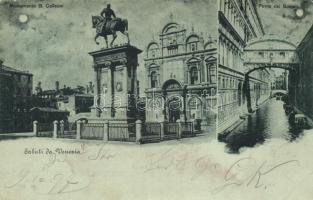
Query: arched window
column 154, row 80
column 193, row 46
column 193, row 75
column 195, row 108
column 153, row 50
column 192, row 43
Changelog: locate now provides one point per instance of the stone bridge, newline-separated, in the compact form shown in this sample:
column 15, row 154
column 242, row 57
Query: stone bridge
column 274, row 92
column 268, row 52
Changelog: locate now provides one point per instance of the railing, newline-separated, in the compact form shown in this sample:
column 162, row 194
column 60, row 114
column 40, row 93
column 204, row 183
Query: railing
column 67, row 130
column 151, row 132
column 187, row 129
column 45, row 130
column 93, row 131
column 171, row 130
column 125, row 132
column 111, row 131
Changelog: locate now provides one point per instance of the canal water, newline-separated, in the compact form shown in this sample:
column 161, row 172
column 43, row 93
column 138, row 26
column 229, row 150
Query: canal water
column 269, row 121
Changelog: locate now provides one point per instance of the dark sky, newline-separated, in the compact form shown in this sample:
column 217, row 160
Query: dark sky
column 285, row 22
column 54, row 43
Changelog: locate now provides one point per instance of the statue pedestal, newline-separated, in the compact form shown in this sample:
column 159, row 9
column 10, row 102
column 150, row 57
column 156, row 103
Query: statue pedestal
column 116, row 83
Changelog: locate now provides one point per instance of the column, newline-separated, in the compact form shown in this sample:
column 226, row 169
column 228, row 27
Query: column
column 110, row 94
column 179, row 128
column 62, row 127
column 187, row 74
column 108, row 97
column 125, row 82
column 97, row 95
column 149, row 80
column 162, row 129
column 112, row 72
column 204, row 70
column 199, row 74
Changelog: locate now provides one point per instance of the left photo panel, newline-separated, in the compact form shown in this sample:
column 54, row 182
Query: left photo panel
column 88, row 64
column 99, row 97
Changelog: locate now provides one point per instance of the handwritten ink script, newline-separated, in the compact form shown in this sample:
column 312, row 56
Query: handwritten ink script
column 247, row 172
column 253, row 179
column 57, row 176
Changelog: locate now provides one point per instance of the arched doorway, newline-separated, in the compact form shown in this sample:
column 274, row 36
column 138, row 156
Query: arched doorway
column 174, row 109
column 172, row 92
column 195, row 108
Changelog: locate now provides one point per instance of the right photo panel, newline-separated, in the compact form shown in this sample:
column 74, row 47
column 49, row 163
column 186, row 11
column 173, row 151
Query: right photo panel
column 264, row 72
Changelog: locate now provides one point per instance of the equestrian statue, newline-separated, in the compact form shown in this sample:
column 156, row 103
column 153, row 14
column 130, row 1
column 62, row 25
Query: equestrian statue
column 108, row 24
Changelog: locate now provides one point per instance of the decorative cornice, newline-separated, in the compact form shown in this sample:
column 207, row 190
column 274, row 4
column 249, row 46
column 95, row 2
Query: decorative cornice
column 108, row 64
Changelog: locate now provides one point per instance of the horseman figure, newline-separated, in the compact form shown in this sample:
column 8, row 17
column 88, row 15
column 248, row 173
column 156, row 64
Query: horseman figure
column 107, row 13
column 106, row 25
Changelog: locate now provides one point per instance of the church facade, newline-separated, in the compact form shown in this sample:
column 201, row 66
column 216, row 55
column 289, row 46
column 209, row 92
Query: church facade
column 181, row 69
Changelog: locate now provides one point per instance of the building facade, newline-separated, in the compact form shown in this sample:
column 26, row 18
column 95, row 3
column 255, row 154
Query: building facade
column 17, row 90
column 282, row 81
column 181, row 73
column 6, row 102
column 239, row 23
column 78, row 105
column 300, row 83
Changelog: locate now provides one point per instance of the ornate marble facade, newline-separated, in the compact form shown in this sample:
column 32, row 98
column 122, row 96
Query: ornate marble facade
column 181, row 73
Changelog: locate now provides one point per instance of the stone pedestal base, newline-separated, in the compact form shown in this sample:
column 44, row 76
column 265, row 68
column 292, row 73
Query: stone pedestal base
column 116, row 83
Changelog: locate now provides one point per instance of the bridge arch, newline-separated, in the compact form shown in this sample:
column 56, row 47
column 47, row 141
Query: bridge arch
column 278, row 92
column 268, row 52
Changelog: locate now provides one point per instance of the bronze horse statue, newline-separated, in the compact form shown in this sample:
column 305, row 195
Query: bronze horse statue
column 112, row 26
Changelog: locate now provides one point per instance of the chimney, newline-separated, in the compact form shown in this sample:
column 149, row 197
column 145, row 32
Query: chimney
column 1, row 62
column 87, row 89
column 38, row 88
column 91, row 87
column 57, row 86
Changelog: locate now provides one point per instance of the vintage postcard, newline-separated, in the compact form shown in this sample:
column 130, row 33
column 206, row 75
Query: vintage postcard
column 156, row 99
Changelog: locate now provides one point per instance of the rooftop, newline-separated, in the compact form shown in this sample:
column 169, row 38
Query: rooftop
column 47, row 109
column 270, row 42
column 12, row 70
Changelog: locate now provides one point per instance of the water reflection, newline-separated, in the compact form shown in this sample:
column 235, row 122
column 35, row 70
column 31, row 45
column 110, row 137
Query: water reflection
column 269, row 121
